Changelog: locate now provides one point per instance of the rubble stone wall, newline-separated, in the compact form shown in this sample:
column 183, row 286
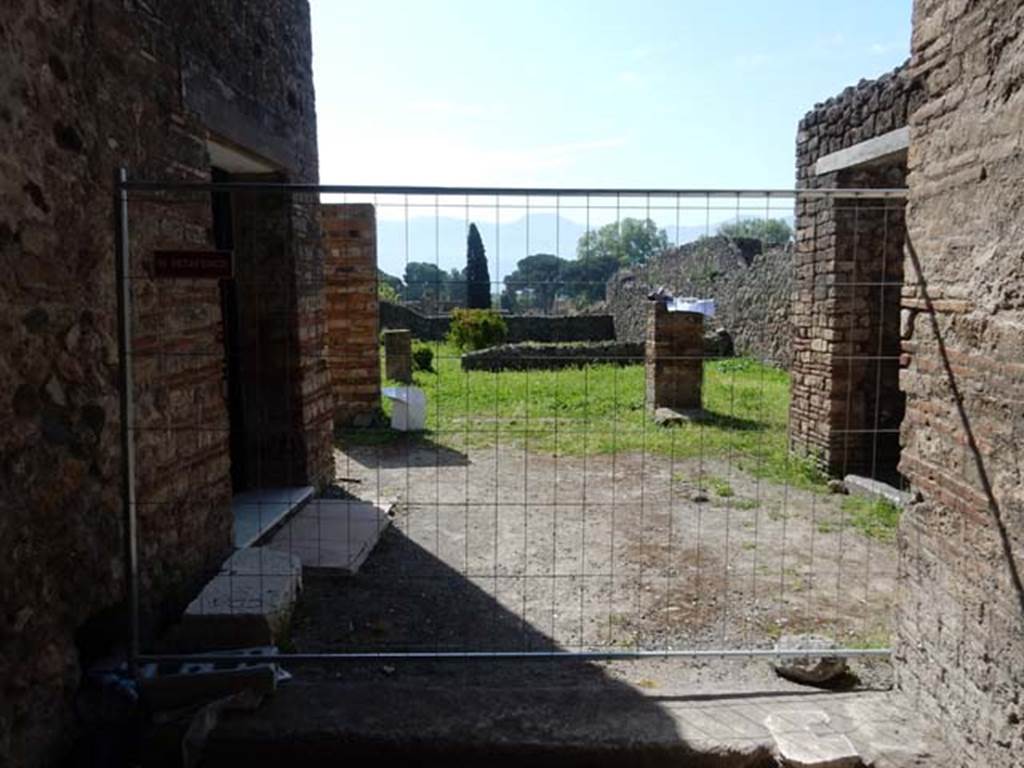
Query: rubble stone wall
column 89, row 87
column 960, row 628
column 751, row 287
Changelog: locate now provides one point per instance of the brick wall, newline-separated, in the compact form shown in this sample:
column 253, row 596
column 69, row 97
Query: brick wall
column 846, row 407
column 673, row 358
column 88, row 87
column 960, row 647
column 350, row 243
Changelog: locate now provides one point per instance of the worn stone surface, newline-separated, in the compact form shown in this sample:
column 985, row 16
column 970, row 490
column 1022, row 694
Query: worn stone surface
column 248, row 603
column 805, row 738
column 353, row 348
column 562, row 715
column 960, row 618
column 751, row 288
column 846, row 405
column 89, row 87
column 856, row 485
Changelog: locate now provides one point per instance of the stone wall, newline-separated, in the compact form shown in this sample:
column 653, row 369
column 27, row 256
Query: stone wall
column 846, row 407
column 960, row 651
column 527, row 357
column 521, row 328
column 352, row 318
column 89, row 87
column 751, row 289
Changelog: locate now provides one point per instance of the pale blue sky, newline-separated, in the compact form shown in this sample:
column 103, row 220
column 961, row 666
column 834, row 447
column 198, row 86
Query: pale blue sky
column 669, row 94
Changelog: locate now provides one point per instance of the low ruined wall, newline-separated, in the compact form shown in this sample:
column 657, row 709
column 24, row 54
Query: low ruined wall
column 534, row 356
column 523, row 357
column 960, row 628
column 521, row 328
column 751, row 291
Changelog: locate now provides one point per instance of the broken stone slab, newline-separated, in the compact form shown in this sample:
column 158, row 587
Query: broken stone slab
column 805, row 738
column 875, row 489
column 813, row 669
column 248, row 603
column 333, row 533
column 666, row 417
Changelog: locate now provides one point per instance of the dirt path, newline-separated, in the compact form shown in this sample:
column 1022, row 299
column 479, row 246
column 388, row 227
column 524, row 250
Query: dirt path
column 504, row 549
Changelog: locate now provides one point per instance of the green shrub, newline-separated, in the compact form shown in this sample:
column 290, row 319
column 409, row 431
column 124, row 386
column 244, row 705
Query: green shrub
column 423, row 358
column 476, row 329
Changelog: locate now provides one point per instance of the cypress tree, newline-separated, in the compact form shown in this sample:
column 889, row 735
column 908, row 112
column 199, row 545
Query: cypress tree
column 478, row 279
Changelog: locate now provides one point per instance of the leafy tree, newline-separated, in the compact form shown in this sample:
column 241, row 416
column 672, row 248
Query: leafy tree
column 630, row 241
column 456, row 290
column 772, row 232
column 585, row 279
column 424, row 281
column 478, row 278
column 540, row 277
column 389, row 287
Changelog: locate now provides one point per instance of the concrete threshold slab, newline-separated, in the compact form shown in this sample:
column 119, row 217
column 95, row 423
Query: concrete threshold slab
column 398, row 721
column 258, row 511
column 333, row 533
column 248, row 603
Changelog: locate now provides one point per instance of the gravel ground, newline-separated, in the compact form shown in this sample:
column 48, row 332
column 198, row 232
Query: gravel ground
column 504, row 549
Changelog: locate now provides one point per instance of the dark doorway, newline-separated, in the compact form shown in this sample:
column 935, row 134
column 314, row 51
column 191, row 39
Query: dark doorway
column 224, row 239
column 870, row 236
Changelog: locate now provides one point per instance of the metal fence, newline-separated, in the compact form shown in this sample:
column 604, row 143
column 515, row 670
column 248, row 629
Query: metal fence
column 541, row 512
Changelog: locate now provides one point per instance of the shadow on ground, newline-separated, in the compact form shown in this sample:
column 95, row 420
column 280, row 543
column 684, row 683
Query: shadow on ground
column 549, row 713
column 387, row 449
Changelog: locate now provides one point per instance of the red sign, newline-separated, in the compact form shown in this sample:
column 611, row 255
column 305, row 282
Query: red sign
column 192, row 264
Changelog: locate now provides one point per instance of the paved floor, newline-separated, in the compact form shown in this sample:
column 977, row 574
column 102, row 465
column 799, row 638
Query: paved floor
column 647, row 713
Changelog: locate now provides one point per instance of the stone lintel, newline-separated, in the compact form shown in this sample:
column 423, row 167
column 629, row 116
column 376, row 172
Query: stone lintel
column 879, row 148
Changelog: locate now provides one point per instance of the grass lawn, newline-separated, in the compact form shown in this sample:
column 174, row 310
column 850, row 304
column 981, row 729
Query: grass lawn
column 600, row 409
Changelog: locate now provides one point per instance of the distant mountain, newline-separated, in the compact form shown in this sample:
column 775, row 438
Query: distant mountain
column 442, row 240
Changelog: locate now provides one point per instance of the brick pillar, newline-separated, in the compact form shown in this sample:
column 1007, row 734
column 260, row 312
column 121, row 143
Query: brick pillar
column 353, row 351
column 674, row 358
column 398, row 355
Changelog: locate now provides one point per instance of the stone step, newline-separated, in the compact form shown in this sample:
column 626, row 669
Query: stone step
column 248, row 603
column 333, row 533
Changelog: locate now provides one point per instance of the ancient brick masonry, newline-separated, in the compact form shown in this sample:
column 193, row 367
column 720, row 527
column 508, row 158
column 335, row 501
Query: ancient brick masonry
column 89, row 87
column 350, row 233
column 674, row 358
column 961, row 618
column 846, row 406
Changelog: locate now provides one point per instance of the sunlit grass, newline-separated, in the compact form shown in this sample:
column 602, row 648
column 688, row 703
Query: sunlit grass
column 601, row 409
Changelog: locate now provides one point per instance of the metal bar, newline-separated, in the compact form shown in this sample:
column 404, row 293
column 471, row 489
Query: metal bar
column 369, row 189
column 293, row 658
column 124, row 334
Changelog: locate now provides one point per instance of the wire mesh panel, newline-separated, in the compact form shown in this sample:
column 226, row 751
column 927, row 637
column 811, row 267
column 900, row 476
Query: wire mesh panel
column 550, row 468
